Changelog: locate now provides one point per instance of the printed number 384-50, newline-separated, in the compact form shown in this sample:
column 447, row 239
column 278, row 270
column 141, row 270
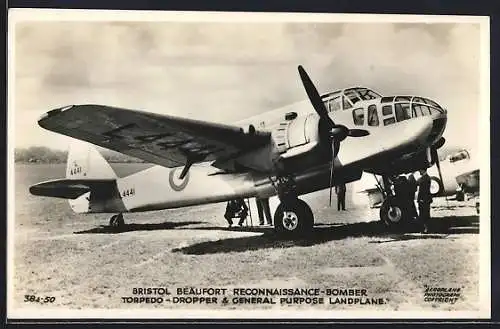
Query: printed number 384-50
column 37, row 299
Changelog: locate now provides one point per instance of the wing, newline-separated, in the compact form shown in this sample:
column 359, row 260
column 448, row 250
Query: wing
column 470, row 180
column 161, row 139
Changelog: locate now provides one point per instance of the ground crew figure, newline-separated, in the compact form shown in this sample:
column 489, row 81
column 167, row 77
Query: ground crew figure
column 400, row 187
column 235, row 208
column 264, row 211
column 424, row 199
column 412, row 189
column 340, row 191
column 403, row 188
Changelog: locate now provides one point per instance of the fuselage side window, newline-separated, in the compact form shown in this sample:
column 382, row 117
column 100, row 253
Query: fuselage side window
column 359, row 116
column 372, row 116
column 402, row 111
column 387, row 110
column 389, row 121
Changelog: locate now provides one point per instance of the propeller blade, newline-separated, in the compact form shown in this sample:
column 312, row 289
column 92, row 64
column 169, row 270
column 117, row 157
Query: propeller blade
column 331, row 171
column 335, row 151
column 313, row 95
column 358, row 133
column 438, row 164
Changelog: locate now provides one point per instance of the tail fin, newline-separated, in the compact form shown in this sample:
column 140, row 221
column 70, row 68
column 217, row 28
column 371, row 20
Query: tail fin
column 85, row 162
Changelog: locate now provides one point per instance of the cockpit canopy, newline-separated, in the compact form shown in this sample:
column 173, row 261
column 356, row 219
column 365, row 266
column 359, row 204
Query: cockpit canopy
column 394, row 109
column 346, row 98
column 378, row 109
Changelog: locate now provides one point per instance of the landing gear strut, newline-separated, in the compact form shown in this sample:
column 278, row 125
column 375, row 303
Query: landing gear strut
column 117, row 221
column 293, row 217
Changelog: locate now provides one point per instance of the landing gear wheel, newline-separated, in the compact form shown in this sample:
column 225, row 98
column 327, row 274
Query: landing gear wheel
column 117, row 221
column 293, row 219
column 436, row 186
column 393, row 214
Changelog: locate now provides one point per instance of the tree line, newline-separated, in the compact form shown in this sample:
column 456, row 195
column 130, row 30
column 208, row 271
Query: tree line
column 42, row 154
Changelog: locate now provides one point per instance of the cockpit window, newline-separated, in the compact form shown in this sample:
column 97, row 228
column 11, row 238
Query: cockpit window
column 335, row 104
column 402, row 99
column 432, row 103
column 420, row 110
column 353, row 96
column 387, row 99
column 372, row 115
column 402, row 111
column 346, row 103
column 359, row 116
column 367, row 94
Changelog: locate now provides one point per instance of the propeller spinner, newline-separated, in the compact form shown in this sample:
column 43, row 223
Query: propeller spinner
column 335, row 132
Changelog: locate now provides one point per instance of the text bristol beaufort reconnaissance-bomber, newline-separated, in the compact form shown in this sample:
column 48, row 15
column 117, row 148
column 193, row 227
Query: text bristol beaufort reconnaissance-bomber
column 189, row 295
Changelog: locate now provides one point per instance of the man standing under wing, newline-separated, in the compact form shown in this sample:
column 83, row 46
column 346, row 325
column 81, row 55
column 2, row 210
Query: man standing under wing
column 424, row 199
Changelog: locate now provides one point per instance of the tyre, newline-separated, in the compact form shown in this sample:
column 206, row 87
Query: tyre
column 117, row 221
column 293, row 219
column 393, row 214
column 437, row 187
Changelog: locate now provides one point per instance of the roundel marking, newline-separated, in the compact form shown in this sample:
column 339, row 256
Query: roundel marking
column 175, row 183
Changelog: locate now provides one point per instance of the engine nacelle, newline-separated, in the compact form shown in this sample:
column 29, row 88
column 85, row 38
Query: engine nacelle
column 295, row 136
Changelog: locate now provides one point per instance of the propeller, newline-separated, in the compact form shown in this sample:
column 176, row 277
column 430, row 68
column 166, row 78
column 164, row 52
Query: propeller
column 336, row 133
column 438, row 163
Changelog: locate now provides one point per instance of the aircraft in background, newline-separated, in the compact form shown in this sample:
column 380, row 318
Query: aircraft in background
column 287, row 152
column 459, row 177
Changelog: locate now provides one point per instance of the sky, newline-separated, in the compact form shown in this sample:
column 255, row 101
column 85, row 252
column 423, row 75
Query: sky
column 227, row 71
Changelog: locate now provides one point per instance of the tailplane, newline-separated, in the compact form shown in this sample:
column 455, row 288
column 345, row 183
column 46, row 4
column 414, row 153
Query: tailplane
column 90, row 183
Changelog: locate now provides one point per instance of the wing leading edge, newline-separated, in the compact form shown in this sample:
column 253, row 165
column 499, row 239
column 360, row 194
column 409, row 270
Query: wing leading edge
column 161, row 139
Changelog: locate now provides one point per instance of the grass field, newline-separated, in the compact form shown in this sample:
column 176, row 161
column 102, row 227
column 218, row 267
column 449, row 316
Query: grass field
column 81, row 262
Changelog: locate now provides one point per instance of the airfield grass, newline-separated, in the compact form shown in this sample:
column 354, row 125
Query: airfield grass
column 79, row 261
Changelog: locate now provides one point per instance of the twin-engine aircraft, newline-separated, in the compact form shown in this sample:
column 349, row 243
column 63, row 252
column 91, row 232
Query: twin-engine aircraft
column 308, row 146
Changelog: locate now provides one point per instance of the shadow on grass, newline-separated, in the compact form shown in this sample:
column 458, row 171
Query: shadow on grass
column 106, row 229
column 439, row 228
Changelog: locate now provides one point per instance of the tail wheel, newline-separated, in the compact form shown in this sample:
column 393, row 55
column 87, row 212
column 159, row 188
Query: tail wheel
column 392, row 213
column 293, row 218
column 436, row 186
column 117, row 221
